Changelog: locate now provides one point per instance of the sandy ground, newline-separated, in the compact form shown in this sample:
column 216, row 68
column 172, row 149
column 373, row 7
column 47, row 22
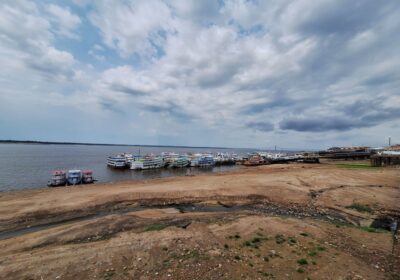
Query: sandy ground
column 161, row 242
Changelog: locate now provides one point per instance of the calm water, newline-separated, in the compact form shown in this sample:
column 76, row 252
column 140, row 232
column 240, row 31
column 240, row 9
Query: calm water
column 27, row 166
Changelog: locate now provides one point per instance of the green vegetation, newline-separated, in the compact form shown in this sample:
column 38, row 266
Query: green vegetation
column 156, row 227
column 166, row 263
column 304, row 234
column 396, row 277
column 371, row 229
column 300, row 270
column 302, row 261
column 320, row 248
column 312, row 253
column 360, row 208
column 226, row 246
column 358, row 166
column 108, row 275
column 266, row 259
column 236, row 236
column 292, row 241
column 237, row 258
column 279, row 239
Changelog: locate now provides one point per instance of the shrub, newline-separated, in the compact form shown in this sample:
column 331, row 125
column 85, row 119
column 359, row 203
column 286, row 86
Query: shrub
column 302, row 261
column 279, row 238
column 360, row 208
column 155, row 227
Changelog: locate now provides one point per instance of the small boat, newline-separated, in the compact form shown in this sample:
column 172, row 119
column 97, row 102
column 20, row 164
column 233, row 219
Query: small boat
column 147, row 162
column 254, row 160
column 203, row 160
column 87, row 177
column 74, row 177
column 169, row 157
column 181, row 161
column 119, row 161
column 58, row 178
column 206, row 161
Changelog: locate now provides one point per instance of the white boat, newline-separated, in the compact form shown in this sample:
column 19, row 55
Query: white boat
column 147, row 162
column 204, row 160
column 169, row 157
column 74, row 177
column 181, row 161
column 119, row 161
column 194, row 160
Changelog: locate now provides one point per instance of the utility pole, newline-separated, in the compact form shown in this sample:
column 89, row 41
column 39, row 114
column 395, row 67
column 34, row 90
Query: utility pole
column 390, row 140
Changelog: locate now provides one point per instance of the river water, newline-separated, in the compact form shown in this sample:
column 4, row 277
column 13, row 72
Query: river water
column 28, row 166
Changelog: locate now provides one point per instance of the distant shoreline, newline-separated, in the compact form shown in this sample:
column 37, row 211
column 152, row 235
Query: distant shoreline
column 103, row 144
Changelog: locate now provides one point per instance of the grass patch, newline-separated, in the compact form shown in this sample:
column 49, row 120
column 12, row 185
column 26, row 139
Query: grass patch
column 371, row 229
column 360, row 208
column 279, row 239
column 358, row 166
column 226, row 246
column 312, row 253
column 166, row 263
column 302, row 261
column 108, row 275
column 304, row 234
column 155, row 227
column 237, row 258
column 292, row 241
column 300, row 270
column 320, row 248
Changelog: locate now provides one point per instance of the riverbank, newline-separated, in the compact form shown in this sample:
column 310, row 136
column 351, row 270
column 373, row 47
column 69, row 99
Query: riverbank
column 204, row 226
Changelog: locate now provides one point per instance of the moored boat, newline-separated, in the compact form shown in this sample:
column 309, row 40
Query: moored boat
column 169, row 157
column 87, row 177
column 206, row 161
column 74, row 177
column 181, row 161
column 58, row 178
column 147, row 162
column 254, row 160
column 119, row 161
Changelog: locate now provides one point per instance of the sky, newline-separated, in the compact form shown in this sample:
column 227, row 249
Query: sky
column 300, row 74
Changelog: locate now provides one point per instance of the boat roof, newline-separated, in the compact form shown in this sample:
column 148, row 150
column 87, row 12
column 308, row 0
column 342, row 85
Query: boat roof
column 74, row 171
column 58, row 172
column 87, row 171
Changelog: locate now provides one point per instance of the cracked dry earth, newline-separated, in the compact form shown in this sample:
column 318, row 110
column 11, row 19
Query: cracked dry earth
column 269, row 222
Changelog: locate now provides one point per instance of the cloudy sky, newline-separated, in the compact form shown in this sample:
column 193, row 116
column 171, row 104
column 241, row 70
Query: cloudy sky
column 236, row 73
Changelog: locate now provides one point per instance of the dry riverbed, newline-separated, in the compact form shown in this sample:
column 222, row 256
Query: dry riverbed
column 292, row 221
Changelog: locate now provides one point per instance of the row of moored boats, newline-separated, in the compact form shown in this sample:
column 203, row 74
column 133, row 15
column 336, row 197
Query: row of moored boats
column 72, row 177
column 170, row 159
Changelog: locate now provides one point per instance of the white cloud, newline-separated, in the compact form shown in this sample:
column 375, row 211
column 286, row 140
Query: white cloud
column 65, row 21
column 132, row 27
column 242, row 71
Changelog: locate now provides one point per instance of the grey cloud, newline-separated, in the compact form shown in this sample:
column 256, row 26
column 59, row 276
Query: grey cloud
column 265, row 106
column 127, row 90
column 344, row 17
column 262, row 126
column 171, row 109
column 340, row 123
column 317, row 124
